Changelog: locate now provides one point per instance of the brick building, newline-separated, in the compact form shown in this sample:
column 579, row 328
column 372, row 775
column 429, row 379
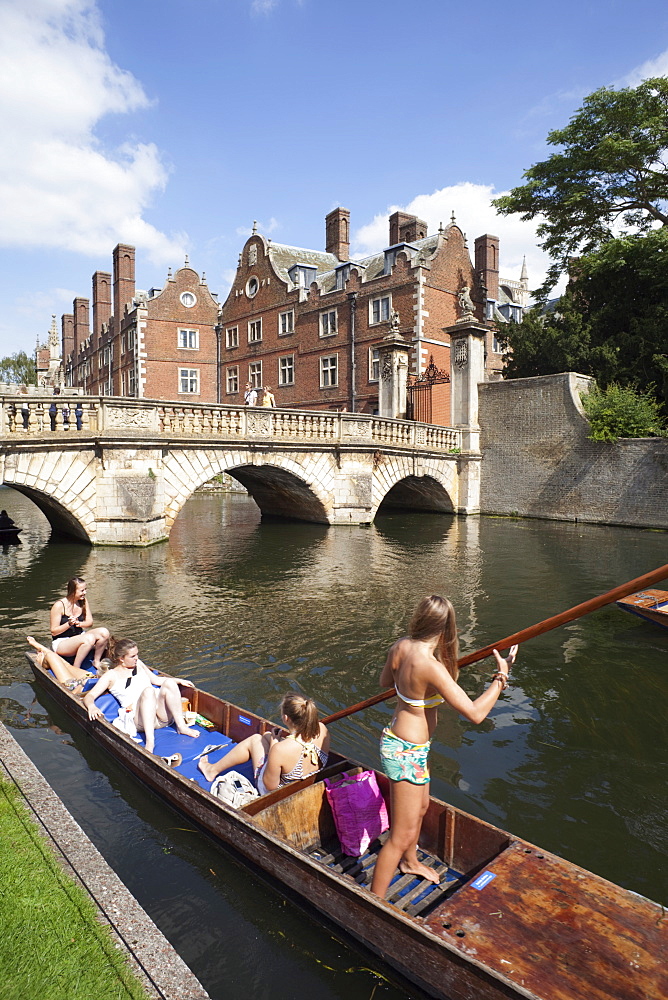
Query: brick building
column 308, row 323
column 160, row 344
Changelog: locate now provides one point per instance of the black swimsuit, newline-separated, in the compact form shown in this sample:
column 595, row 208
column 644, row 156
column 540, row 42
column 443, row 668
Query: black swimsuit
column 73, row 629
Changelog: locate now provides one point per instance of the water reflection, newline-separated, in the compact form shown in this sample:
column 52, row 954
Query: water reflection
column 574, row 757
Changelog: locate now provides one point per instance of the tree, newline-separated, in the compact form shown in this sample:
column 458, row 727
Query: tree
column 620, row 411
column 610, row 175
column 611, row 323
column 18, row 369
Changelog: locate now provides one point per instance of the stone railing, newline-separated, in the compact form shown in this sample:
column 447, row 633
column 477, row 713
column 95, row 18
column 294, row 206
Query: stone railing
column 24, row 416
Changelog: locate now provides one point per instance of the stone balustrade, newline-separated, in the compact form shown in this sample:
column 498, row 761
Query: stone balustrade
column 48, row 416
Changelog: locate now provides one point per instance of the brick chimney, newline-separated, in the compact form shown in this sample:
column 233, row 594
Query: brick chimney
column 67, row 333
column 337, row 233
column 124, row 280
column 101, row 301
column 81, row 309
column 405, row 228
column 487, row 261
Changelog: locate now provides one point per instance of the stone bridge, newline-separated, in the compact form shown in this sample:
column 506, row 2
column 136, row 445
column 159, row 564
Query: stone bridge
column 117, row 471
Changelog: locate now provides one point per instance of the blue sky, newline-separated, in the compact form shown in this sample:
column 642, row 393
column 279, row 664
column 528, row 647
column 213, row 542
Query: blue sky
column 173, row 125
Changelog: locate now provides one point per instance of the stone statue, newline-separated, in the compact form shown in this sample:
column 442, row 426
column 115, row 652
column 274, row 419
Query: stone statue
column 465, row 301
column 394, row 321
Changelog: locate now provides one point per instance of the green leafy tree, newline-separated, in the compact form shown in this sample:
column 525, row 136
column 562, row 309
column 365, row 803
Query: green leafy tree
column 610, row 174
column 612, row 322
column 621, row 411
column 18, row 369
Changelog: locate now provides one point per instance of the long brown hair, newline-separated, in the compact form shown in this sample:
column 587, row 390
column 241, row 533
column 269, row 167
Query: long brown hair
column 117, row 648
column 436, row 616
column 72, row 585
column 302, row 713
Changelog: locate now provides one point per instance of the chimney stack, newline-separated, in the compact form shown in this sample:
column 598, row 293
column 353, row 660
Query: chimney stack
column 124, row 280
column 337, row 233
column 81, row 310
column 101, row 301
column 487, row 261
column 405, row 228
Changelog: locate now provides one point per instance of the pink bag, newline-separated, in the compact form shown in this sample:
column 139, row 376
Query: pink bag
column 359, row 810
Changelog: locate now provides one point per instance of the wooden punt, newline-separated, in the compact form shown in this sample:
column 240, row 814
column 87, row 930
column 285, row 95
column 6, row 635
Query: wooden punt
column 652, row 605
column 508, row 919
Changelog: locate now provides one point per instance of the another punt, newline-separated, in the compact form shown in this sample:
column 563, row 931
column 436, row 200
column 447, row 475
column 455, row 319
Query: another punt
column 8, row 535
column 652, row 605
column 507, row 920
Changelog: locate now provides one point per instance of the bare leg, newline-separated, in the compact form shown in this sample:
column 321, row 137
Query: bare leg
column 170, row 708
column 144, row 716
column 253, row 748
column 96, row 639
column 62, row 670
column 400, row 849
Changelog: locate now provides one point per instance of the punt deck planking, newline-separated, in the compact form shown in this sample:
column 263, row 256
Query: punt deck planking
column 652, row 605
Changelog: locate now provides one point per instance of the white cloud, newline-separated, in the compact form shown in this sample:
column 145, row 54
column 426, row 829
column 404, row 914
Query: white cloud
column 263, row 6
column 58, row 186
column 651, row 67
column 474, row 213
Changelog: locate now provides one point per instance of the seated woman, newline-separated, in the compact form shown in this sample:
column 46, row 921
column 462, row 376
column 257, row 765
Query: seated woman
column 279, row 758
column 151, row 702
column 71, row 677
column 71, row 621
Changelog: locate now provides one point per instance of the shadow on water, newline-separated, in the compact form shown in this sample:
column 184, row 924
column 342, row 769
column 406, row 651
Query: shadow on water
column 573, row 758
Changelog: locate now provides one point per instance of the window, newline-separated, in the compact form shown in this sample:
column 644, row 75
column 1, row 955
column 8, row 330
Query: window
column 189, row 339
column 374, row 364
column 132, row 382
column 286, row 370
column 188, row 380
column 233, row 378
column 252, row 286
column 329, row 371
column 342, row 275
column 232, row 336
column 379, row 309
column 328, row 323
column 254, row 331
column 131, row 338
column 188, row 299
column 255, row 374
column 286, row 323
column 496, row 346
column 122, row 350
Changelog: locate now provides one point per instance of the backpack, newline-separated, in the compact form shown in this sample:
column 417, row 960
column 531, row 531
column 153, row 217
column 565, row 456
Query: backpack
column 234, row 789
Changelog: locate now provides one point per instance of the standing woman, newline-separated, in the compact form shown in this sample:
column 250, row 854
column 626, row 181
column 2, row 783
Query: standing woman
column 423, row 669
column 71, row 621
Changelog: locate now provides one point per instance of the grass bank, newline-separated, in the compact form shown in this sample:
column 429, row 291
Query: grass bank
column 52, row 945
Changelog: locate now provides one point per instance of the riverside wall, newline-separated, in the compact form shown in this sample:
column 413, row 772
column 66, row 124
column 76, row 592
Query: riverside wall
column 538, row 461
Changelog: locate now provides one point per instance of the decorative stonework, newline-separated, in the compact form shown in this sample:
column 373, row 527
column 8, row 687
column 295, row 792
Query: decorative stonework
column 461, row 353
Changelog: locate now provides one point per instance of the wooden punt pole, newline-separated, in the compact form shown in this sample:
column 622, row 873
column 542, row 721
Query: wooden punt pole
column 640, row 583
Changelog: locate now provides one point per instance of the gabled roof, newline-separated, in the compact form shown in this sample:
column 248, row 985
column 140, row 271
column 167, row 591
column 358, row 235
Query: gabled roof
column 284, row 257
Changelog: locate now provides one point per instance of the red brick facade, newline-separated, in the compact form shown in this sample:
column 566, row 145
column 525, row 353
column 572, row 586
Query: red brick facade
column 306, row 323
column 160, row 344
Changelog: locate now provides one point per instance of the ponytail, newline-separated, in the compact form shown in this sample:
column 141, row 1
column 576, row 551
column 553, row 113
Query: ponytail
column 303, row 714
column 117, row 648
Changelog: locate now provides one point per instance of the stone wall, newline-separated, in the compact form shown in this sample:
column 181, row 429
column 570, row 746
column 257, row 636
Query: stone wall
column 538, row 461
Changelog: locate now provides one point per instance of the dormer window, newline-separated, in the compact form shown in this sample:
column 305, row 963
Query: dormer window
column 302, row 275
column 342, row 275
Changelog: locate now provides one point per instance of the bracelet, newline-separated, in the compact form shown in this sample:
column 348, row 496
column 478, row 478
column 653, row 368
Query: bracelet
column 499, row 676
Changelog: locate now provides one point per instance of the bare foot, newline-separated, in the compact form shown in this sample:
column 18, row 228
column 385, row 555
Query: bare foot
column 39, row 659
column 186, row 731
column 422, row 871
column 208, row 770
column 36, row 645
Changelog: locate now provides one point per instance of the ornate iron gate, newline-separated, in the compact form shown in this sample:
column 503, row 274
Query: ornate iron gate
column 419, row 389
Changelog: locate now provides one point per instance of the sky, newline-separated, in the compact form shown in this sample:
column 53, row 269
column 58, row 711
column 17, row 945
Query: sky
column 173, row 125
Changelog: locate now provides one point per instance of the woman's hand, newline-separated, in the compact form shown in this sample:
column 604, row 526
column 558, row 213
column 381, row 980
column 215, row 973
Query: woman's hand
column 502, row 664
column 94, row 713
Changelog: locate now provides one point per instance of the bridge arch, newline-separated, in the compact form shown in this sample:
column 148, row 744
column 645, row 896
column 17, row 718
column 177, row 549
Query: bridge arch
column 61, row 519
column 279, row 484
column 62, row 487
column 399, row 485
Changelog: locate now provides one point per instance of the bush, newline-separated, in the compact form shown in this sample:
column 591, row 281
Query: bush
column 622, row 412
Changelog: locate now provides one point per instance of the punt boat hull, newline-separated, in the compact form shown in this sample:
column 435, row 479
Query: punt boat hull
column 520, row 922
column 652, row 605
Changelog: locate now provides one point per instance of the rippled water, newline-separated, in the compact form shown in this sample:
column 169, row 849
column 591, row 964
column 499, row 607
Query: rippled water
column 574, row 757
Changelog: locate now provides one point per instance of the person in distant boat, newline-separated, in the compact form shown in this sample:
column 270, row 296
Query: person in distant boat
column 268, row 398
column 5, row 520
column 150, row 701
column 280, row 758
column 423, row 669
column 71, row 621
column 73, row 678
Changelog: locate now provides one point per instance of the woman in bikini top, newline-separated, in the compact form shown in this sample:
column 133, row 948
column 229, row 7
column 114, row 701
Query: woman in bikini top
column 72, row 634
column 423, row 670
column 279, row 758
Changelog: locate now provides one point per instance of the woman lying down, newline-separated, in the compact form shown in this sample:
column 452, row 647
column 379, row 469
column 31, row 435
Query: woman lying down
column 147, row 702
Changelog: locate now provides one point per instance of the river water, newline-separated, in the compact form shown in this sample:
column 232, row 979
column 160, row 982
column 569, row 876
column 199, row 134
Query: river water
column 573, row 758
